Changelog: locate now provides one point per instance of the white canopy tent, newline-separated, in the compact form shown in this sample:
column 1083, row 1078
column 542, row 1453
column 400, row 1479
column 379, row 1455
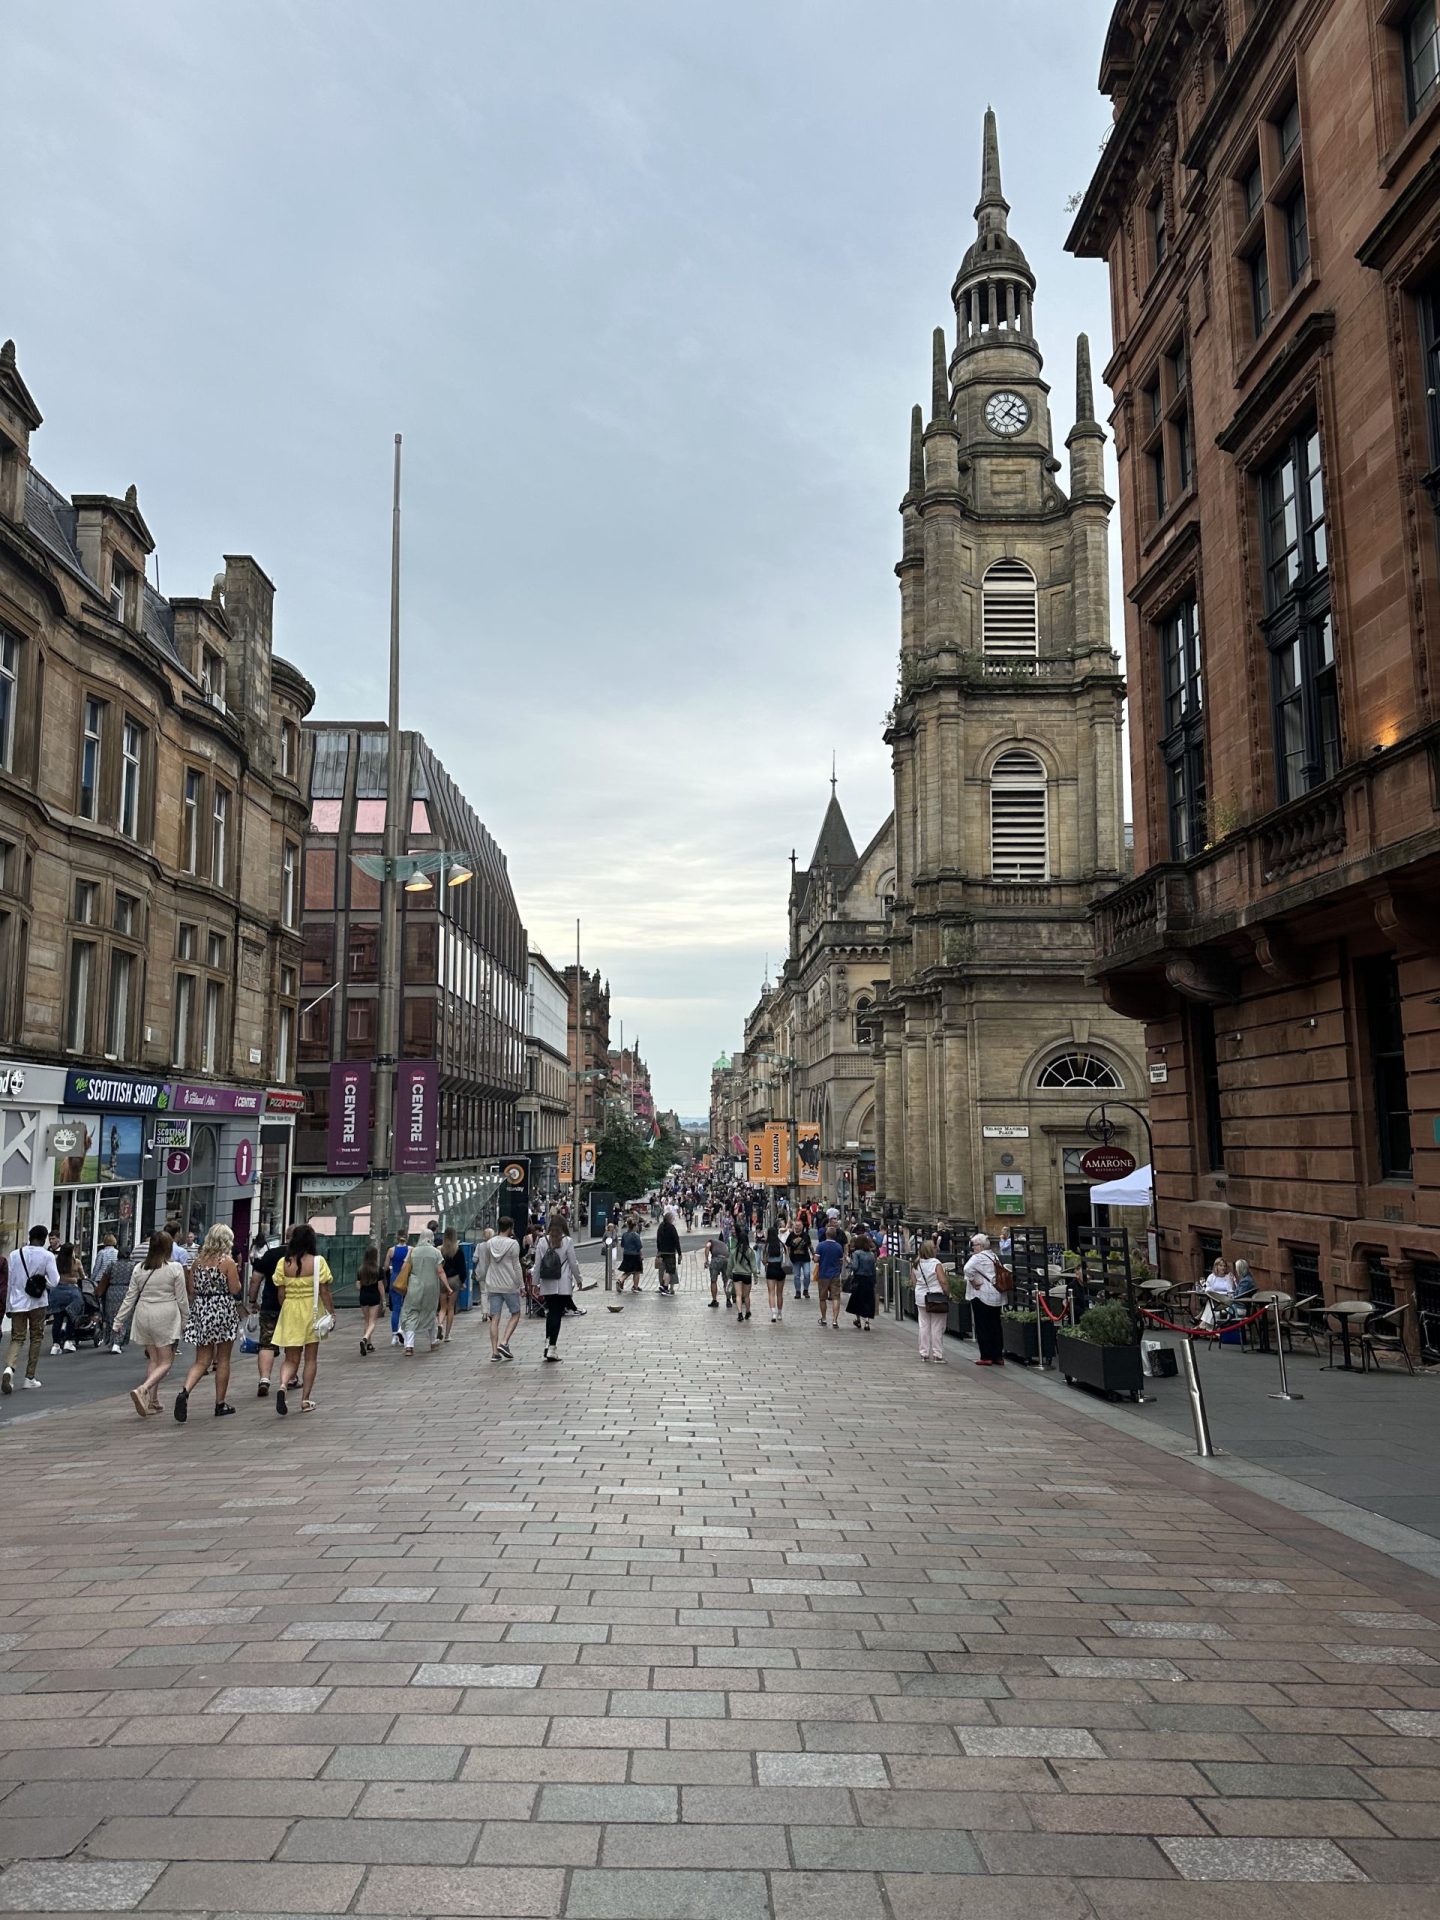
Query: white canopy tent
column 1131, row 1191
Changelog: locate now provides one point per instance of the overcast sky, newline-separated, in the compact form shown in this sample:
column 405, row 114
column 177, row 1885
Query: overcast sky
column 648, row 286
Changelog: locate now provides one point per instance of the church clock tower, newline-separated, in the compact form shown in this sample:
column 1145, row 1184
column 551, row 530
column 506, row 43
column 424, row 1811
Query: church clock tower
column 1006, row 751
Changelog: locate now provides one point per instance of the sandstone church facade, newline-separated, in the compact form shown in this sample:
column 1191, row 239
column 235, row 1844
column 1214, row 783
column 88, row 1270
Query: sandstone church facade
column 991, row 1044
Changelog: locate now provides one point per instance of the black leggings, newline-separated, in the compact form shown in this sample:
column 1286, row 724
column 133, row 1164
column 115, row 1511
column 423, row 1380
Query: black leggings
column 989, row 1330
column 557, row 1305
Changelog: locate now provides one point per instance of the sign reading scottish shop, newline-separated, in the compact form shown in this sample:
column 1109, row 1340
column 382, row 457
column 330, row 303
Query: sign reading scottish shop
column 118, row 1092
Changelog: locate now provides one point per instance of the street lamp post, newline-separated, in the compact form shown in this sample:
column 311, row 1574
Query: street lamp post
column 381, row 1139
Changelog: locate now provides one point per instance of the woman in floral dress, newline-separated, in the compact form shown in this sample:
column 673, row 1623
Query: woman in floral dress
column 214, row 1285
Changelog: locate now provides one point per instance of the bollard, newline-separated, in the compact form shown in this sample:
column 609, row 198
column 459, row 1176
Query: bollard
column 1204, row 1446
column 1284, row 1393
column 609, row 1266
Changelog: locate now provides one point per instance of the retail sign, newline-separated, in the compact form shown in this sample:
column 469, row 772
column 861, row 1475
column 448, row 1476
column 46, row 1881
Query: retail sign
column 64, row 1139
column 1005, row 1133
column 12, row 1082
column 417, row 1095
column 515, row 1173
column 284, row 1100
column 807, row 1153
column 177, row 1160
column 170, row 1133
column 349, row 1116
column 120, row 1092
column 1107, row 1163
column 190, row 1099
column 1009, row 1183
column 244, row 1163
column 1009, row 1203
column 1159, row 1074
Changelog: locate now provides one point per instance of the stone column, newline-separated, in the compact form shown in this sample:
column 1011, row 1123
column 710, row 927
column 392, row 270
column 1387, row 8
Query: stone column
column 919, row 1189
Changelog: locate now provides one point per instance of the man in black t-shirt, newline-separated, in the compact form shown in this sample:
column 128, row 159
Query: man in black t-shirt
column 264, row 1299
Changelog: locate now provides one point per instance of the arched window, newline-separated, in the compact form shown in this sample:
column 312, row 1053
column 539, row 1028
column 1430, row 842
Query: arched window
column 1077, row 1072
column 864, row 1034
column 1009, row 620
column 1019, row 827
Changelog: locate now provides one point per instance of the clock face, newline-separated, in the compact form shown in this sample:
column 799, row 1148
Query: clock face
column 1006, row 413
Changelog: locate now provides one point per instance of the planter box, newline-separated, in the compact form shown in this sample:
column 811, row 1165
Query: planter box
column 1110, row 1370
column 959, row 1322
column 1023, row 1337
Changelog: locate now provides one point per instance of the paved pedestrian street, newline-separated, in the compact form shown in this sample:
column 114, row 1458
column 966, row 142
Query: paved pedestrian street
column 711, row 1622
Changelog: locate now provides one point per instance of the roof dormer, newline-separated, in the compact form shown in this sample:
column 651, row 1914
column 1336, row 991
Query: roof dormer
column 114, row 544
column 19, row 418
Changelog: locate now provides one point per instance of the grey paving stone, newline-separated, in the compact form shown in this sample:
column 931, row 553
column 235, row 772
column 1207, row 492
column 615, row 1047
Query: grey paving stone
column 1075, row 1666
column 1270, row 1861
column 333, row 1630
column 668, row 1704
column 207, row 1616
column 882, row 1849
column 1390, row 1622
column 1243, row 1780
column 469, row 1674
column 1247, row 1586
column 394, row 1763
column 829, row 1896
column 1168, row 1630
column 385, row 1596
column 1048, row 1743
column 383, row 1842
column 555, row 1843
column 833, row 1588
column 658, row 1894
column 77, row 1886
column 269, row 1700
column 1412, row 1723
column 748, row 1846
column 822, row 1770
column 518, row 1893
column 1364, row 1656
column 608, row 1804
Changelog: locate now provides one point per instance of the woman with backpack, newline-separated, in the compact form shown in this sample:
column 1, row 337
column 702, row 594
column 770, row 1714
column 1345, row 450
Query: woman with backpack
column 557, row 1272
column 986, row 1282
column 740, row 1269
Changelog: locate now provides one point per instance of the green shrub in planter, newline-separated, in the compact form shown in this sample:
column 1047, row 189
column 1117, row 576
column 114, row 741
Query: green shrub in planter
column 1019, row 1316
column 1108, row 1324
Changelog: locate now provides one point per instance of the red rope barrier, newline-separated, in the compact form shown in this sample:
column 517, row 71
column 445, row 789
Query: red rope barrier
column 1206, row 1333
column 1055, row 1319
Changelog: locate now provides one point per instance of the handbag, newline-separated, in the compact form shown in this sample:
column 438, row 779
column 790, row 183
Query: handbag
column 324, row 1323
column 937, row 1299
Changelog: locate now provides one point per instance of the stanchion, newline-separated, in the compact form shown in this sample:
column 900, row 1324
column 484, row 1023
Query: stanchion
column 609, row 1266
column 1284, row 1393
column 1204, row 1446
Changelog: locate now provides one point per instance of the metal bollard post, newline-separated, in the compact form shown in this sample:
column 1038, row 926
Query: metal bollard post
column 609, row 1266
column 1204, row 1446
column 1284, row 1393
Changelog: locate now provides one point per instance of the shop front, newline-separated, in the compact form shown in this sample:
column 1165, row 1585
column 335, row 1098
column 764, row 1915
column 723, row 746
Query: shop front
column 105, row 1158
column 30, row 1099
column 212, row 1181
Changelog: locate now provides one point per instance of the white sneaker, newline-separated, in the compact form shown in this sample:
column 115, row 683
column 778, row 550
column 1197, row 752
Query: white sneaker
column 115, row 1347
column 33, row 1385
column 55, row 1348
column 7, row 1380
column 70, row 1347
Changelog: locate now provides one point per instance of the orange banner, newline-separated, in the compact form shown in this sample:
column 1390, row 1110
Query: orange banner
column 565, row 1165
column 777, row 1154
column 756, row 1148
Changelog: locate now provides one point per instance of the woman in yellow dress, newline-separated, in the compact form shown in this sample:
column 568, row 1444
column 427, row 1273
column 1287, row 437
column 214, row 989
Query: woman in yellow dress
column 303, row 1282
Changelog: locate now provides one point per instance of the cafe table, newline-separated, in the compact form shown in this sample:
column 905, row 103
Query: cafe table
column 1346, row 1313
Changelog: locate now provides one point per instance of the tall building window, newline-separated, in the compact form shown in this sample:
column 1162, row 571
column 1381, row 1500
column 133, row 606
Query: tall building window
column 1420, row 42
column 1019, row 825
column 219, row 824
column 184, row 1021
column 117, row 1015
column 1009, row 619
column 1159, row 237
column 1297, row 234
column 315, row 1030
column 285, row 1027
column 210, row 1037
column 1430, row 355
column 289, row 861
column 9, row 689
column 132, row 742
column 1274, row 226
column 77, row 999
column 1167, row 441
column 1182, row 744
column 1379, row 980
column 119, row 588
column 92, row 737
column 1298, row 628
column 190, row 821
column 1205, row 1085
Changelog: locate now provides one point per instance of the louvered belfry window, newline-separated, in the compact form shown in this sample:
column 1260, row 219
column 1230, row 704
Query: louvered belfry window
column 1010, row 625
column 1019, row 840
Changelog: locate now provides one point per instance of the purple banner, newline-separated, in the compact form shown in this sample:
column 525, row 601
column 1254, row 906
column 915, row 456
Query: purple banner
column 191, row 1099
column 349, row 1117
column 417, row 1095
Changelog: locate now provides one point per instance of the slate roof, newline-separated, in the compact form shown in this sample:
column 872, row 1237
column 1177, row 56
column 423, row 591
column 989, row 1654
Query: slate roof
column 834, row 848
column 51, row 518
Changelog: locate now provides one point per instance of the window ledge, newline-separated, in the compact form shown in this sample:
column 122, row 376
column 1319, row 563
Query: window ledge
column 1164, row 528
column 1265, row 342
column 1421, row 132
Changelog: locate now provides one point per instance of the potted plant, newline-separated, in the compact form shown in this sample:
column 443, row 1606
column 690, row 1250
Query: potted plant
column 1102, row 1351
column 1027, row 1335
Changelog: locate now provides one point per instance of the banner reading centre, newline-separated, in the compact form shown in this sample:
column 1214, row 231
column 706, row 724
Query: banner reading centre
column 349, row 1143
column 417, row 1095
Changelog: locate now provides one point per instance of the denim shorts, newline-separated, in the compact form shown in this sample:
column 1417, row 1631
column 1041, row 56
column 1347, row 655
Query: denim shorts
column 498, row 1303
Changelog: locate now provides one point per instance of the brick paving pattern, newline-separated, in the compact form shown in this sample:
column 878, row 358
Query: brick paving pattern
column 708, row 1623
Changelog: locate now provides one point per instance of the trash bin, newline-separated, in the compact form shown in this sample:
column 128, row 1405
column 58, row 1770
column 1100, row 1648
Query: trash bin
column 464, row 1297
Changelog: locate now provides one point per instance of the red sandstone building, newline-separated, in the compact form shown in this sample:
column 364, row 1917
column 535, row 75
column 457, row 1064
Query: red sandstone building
column 1268, row 204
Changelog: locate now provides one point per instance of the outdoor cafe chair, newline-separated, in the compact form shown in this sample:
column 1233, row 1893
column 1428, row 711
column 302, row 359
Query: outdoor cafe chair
column 1384, row 1333
column 1304, row 1320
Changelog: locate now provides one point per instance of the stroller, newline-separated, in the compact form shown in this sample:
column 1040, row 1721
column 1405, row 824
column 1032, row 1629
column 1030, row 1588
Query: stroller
column 93, row 1322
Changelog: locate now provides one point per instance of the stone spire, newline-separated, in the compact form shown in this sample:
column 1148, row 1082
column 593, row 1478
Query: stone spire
column 917, row 454
column 1086, row 439
column 992, row 208
column 939, row 379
